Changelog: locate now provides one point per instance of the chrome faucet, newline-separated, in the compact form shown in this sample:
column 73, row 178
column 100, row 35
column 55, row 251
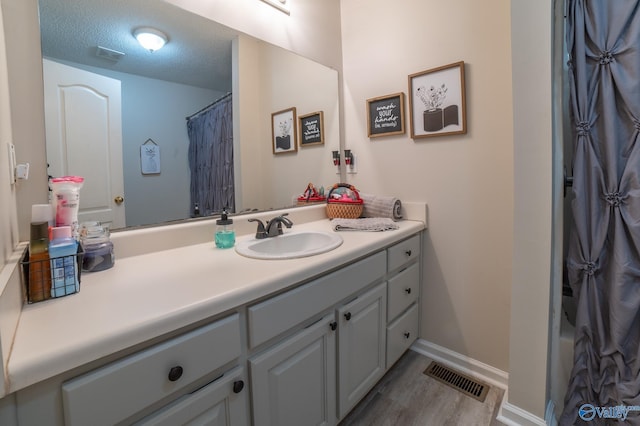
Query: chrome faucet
column 273, row 227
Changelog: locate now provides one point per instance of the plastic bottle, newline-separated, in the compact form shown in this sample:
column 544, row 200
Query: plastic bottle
column 225, row 235
column 39, row 287
column 63, row 249
column 66, row 201
column 98, row 248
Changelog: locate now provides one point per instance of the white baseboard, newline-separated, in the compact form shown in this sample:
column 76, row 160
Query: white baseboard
column 470, row 366
column 509, row 414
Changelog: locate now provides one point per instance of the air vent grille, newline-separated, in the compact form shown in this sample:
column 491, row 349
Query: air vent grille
column 461, row 382
column 110, row 54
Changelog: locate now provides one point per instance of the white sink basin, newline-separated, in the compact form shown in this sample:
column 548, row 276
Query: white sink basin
column 290, row 245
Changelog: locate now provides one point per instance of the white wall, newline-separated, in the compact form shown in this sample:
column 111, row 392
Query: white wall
column 467, row 180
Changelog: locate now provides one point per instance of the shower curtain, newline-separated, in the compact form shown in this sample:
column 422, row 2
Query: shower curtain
column 211, row 158
column 603, row 262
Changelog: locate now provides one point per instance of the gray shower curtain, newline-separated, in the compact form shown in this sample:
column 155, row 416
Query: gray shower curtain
column 603, row 262
column 211, row 158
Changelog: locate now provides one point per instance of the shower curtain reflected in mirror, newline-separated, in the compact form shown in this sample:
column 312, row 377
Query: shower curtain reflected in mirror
column 603, row 262
column 211, row 158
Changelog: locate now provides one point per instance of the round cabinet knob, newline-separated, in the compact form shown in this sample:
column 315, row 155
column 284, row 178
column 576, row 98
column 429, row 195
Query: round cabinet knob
column 347, row 316
column 238, row 386
column 119, row 200
column 175, row 373
column 333, row 325
column 408, row 253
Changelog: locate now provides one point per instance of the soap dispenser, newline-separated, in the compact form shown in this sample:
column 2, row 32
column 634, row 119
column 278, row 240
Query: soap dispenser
column 225, row 235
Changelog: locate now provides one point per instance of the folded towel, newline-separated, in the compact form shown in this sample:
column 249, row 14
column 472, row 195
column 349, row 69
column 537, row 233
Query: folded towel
column 378, row 206
column 365, row 224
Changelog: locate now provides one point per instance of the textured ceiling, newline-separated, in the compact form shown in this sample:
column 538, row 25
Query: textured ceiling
column 198, row 52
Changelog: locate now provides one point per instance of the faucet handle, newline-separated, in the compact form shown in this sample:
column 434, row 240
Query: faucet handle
column 261, row 232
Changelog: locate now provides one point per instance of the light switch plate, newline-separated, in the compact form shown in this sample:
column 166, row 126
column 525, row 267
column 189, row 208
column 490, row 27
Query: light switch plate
column 12, row 163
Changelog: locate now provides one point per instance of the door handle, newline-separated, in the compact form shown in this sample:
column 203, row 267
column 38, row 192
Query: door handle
column 119, row 200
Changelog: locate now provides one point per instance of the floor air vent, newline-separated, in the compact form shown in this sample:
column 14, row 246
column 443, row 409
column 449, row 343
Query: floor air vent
column 463, row 383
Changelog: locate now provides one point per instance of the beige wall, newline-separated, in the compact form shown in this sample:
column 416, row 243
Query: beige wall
column 8, row 219
column 531, row 39
column 24, row 66
column 467, row 180
column 312, row 30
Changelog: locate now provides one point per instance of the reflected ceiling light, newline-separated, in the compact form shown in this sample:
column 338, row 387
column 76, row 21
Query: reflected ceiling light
column 150, row 38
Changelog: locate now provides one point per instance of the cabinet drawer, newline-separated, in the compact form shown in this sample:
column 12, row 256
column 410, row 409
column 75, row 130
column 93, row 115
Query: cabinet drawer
column 403, row 290
column 401, row 334
column 276, row 315
column 222, row 402
column 112, row 393
column 403, row 252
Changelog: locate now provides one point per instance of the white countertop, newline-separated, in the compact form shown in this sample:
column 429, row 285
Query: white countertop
column 148, row 295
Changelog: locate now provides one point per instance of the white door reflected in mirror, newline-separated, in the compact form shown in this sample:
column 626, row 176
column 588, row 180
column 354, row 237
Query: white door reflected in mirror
column 84, row 137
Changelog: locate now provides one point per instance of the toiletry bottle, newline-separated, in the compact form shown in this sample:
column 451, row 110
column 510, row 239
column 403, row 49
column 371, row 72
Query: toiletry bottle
column 225, row 235
column 62, row 251
column 98, row 248
column 39, row 268
column 66, row 201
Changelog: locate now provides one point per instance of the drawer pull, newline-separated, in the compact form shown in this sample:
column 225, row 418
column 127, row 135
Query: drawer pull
column 175, row 373
column 408, row 253
column 347, row 316
column 407, row 290
column 406, row 335
column 333, row 325
column 238, row 386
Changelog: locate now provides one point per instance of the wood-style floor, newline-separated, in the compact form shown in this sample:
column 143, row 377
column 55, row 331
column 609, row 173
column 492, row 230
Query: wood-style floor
column 407, row 397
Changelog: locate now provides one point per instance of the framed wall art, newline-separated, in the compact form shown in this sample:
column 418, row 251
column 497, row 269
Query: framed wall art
column 311, row 129
column 150, row 158
column 283, row 131
column 385, row 115
column 437, row 101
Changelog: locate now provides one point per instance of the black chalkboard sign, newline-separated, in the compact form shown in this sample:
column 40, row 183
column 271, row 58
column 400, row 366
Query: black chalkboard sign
column 311, row 128
column 385, row 115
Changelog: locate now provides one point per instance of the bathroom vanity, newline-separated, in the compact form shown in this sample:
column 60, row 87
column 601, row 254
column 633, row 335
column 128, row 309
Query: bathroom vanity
column 194, row 332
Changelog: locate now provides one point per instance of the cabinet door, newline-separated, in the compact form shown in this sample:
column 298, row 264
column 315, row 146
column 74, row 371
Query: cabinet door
column 220, row 403
column 293, row 383
column 361, row 346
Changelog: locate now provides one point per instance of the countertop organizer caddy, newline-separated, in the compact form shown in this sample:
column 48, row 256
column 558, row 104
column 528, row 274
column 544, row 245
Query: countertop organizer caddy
column 344, row 202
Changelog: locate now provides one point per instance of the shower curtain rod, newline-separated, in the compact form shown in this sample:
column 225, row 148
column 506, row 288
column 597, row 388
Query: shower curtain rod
column 208, row 106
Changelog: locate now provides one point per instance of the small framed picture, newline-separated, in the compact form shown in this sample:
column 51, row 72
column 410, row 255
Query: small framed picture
column 385, row 115
column 150, row 158
column 283, row 131
column 437, row 102
column 311, row 129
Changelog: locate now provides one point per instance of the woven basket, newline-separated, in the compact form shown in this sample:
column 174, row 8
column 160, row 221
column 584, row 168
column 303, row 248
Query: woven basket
column 344, row 209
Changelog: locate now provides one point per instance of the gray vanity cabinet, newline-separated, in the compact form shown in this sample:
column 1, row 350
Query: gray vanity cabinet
column 403, row 296
column 220, row 403
column 172, row 371
column 361, row 346
column 306, row 355
column 293, row 383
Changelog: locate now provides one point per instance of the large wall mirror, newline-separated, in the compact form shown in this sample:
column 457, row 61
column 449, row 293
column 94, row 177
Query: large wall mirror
column 202, row 62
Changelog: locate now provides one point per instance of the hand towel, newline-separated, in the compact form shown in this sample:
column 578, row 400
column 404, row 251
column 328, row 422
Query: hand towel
column 364, row 224
column 379, row 206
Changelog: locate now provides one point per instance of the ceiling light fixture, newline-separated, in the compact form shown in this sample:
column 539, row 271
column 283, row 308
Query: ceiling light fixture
column 150, row 38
